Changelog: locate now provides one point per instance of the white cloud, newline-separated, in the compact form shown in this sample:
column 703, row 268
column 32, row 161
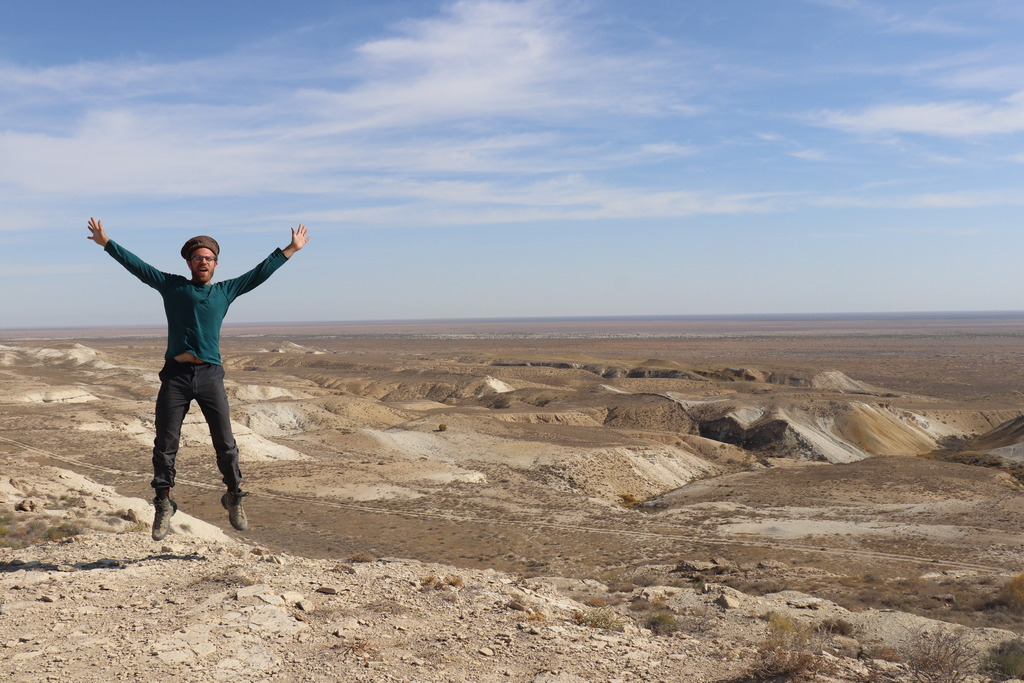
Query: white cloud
column 962, row 118
column 963, row 199
column 668, row 149
column 810, row 155
column 891, row 20
column 121, row 152
column 482, row 87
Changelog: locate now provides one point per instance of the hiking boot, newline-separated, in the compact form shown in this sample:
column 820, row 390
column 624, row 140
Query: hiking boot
column 165, row 509
column 232, row 502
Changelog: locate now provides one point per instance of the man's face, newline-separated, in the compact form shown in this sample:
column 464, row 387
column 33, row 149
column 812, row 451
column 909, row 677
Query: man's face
column 202, row 263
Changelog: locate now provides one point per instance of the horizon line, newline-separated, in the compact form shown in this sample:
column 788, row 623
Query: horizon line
column 676, row 317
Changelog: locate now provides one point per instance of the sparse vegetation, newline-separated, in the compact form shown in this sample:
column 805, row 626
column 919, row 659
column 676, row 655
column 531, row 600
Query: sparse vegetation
column 231, row 576
column 1012, row 593
column 65, row 530
column 969, row 601
column 787, row 653
column 70, row 501
column 834, row 626
column 662, row 623
column 602, row 617
column 443, row 427
column 1006, row 660
column 360, row 650
column 939, row 655
column 360, row 557
column 19, row 531
column 433, row 582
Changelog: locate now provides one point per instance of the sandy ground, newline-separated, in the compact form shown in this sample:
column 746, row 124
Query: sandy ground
column 571, row 452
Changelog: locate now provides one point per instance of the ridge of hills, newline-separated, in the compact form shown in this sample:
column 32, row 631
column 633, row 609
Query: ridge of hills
column 550, row 508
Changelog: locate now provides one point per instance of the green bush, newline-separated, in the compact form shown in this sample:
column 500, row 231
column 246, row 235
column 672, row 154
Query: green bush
column 1006, row 660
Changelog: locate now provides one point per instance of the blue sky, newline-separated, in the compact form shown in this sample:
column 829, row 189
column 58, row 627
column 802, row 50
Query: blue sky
column 502, row 159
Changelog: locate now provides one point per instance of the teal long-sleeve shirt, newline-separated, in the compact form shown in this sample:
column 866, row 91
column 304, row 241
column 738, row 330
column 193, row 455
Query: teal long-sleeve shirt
column 195, row 312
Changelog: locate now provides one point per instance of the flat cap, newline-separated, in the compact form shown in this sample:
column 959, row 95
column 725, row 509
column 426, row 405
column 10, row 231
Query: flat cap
column 199, row 242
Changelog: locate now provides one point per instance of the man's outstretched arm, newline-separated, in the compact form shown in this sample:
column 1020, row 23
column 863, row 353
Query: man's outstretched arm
column 136, row 266
column 300, row 236
column 97, row 235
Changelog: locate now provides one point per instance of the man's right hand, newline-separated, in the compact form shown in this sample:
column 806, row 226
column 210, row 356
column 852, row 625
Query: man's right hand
column 97, row 236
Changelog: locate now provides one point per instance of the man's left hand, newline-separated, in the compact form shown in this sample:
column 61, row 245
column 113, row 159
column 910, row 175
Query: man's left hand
column 300, row 236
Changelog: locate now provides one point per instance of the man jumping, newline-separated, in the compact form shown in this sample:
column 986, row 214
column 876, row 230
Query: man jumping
column 192, row 369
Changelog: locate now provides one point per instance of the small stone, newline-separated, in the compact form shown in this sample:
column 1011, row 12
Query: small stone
column 251, row 591
column 203, row 649
column 486, row 652
column 18, row 656
column 730, row 599
column 292, row 597
column 271, row 599
column 327, row 590
column 805, row 603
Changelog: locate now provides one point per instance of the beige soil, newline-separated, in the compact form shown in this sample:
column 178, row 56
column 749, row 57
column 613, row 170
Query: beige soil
column 796, row 456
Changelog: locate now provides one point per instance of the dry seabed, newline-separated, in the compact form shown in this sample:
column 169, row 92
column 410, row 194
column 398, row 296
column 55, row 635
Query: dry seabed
column 112, row 605
column 493, row 467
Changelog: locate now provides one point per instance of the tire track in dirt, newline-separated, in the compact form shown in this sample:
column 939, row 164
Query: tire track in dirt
column 701, row 539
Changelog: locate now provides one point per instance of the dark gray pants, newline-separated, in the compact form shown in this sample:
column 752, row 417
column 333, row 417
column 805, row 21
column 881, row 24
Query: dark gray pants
column 180, row 384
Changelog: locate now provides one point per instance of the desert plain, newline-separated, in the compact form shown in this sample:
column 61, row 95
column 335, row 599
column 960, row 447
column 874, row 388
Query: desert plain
column 871, row 461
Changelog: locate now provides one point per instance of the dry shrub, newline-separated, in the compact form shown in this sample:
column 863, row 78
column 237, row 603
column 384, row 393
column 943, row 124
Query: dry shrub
column 234, row 575
column 602, row 617
column 360, row 557
column 65, row 530
column 1012, row 594
column 788, row 652
column 663, row 623
column 834, row 626
column 358, row 650
column 433, row 582
column 940, row 656
column 18, row 532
